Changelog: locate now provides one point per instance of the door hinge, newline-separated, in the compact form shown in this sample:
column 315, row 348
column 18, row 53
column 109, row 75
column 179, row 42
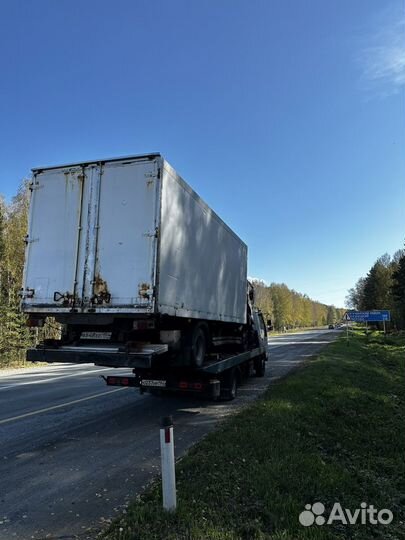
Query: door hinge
column 26, row 293
column 29, row 240
column 34, row 185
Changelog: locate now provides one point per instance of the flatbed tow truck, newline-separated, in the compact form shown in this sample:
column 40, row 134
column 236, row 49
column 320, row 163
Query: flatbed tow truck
column 218, row 378
column 140, row 273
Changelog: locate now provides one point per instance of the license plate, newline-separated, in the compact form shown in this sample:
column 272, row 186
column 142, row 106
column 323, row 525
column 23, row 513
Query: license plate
column 151, row 382
column 95, row 335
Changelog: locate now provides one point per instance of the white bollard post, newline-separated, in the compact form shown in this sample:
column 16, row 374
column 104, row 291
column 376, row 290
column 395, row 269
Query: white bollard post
column 168, row 469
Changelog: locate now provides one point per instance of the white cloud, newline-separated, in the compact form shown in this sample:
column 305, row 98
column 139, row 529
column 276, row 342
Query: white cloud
column 383, row 58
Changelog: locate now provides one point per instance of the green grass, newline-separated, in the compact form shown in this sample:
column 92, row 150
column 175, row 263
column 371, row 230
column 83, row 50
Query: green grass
column 332, row 431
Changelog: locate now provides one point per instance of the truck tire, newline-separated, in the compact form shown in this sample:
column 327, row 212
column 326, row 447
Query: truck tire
column 229, row 385
column 197, row 345
column 245, row 340
column 260, row 366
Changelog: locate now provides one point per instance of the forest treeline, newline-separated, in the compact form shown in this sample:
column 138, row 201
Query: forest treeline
column 15, row 337
column 286, row 308
column 382, row 288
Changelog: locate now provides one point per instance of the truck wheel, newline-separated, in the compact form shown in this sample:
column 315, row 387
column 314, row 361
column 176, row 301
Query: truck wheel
column 198, row 345
column 245, row 340
column 260, row 366
column 245, row 371
column 230, row 385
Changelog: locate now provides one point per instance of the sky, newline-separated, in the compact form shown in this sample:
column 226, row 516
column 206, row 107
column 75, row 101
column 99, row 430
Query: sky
column 287, row 117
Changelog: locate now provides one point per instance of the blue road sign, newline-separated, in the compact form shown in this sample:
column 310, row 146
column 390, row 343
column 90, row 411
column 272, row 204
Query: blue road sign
column 368, row 316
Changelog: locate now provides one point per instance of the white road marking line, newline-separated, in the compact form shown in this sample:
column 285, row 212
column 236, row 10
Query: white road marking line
column 298, row 343
column 39, row 411
column 54, row 378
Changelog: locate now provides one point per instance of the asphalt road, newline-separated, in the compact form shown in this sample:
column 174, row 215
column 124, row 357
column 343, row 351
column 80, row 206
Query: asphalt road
column 73, row 452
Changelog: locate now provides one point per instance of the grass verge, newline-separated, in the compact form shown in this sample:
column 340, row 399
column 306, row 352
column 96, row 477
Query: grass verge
column 330, row 432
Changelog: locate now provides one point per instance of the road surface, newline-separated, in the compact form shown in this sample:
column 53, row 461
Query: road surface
column 74, row 452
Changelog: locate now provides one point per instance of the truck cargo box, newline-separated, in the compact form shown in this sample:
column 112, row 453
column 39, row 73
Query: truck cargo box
column 129, row 236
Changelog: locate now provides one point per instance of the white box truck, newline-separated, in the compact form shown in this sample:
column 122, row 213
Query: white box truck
column 137, row 268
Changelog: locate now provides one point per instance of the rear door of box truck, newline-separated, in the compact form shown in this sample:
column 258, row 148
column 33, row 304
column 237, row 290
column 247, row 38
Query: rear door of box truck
column 92, row 237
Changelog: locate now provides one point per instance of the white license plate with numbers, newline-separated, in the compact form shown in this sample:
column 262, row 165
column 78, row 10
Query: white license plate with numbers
column 95, row 335
column 154, row 382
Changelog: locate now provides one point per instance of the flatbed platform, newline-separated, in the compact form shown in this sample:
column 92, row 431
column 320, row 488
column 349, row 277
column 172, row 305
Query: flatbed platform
column 227, row 362
column 100, row 355
column 217, row 378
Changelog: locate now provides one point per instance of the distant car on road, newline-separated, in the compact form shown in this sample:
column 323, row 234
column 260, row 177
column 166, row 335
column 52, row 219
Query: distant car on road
column 331, row 327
